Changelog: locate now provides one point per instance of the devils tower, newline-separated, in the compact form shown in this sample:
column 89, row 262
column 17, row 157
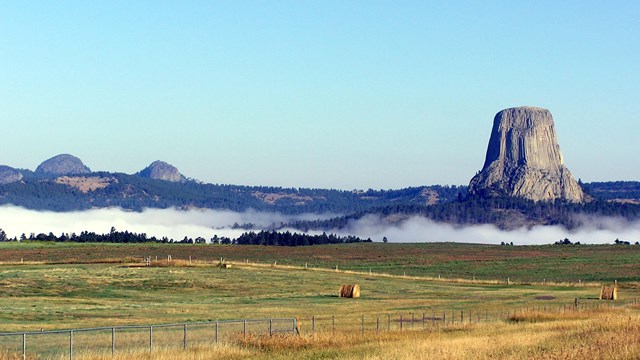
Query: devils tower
column 524, row 160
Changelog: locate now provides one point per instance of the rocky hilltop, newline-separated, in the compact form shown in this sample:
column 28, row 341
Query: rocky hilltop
column 9, row 175
column 524, row 159
column 160, row 170
column 63, row 164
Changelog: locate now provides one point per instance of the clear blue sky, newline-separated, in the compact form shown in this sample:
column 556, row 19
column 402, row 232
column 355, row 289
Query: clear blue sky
column 338, row 94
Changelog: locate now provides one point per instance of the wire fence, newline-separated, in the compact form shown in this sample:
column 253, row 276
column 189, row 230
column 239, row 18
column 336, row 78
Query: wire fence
column 64, row 344
column 443, row 316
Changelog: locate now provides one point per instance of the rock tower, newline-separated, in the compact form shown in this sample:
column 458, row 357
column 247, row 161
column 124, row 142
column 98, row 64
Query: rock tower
column 524, row 160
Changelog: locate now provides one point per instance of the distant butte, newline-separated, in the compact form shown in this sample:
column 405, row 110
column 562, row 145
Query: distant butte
column 160, row 170
column 63, row 164
column 9, row 175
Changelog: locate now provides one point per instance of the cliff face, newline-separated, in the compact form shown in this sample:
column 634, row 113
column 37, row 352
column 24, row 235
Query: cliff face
column 524, row 159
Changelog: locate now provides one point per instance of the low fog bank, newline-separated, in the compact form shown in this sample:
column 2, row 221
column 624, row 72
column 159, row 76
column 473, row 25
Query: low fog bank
column 176, row 224
column 172, row 223
column 419, row 229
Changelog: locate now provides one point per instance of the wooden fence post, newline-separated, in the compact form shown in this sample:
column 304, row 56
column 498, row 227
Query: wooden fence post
column 184, row 339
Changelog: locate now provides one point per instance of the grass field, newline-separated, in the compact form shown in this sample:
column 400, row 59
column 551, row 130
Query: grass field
column 61, row 286
column 521, row 263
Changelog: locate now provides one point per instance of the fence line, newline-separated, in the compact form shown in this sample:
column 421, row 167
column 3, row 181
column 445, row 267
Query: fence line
column 147, row 260
column 442, row 316
column 67, row 343
column 60, row 343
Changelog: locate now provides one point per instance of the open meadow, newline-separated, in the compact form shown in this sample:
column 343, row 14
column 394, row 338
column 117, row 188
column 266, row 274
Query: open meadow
column 499, row 301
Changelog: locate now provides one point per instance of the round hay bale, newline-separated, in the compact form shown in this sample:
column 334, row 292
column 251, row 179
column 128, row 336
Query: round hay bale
column 349, row 291
column 355, row 291
column 609, row 293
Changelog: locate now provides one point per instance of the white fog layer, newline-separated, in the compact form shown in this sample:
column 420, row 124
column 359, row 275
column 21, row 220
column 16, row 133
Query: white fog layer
column 176, row 224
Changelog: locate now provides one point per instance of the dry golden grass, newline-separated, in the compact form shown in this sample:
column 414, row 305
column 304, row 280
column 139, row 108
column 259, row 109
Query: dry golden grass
column 603, row 334
column 594, row 335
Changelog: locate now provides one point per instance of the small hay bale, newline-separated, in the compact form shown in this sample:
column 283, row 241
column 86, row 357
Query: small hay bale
column 350, row 291
column 609, row 293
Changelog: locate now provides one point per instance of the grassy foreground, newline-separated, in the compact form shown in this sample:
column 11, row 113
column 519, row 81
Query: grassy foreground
column 62, row 286
column 602, row 334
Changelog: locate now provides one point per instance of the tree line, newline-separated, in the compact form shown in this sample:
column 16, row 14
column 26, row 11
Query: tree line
column 270, row 238
column 504, row 212
column 136, row 193
column 275, row 238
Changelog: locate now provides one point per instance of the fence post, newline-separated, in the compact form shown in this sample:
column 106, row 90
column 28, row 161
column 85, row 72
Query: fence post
column 401, row 323
column 412, row 320
column 244, row 328
column 24, row 346
column 217, row 332
column 433, row 317
column 71, row 345
column 113, row 341
column 184, row 341
column 378, row 325
column 150, row 338
column 313, row 325
column 388, row 322
column 423, row 321
column 333, row 322
column 362, row 324
column 270, row 327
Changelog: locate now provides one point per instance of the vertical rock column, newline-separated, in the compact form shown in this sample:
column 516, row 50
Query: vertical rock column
column 524, row 159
